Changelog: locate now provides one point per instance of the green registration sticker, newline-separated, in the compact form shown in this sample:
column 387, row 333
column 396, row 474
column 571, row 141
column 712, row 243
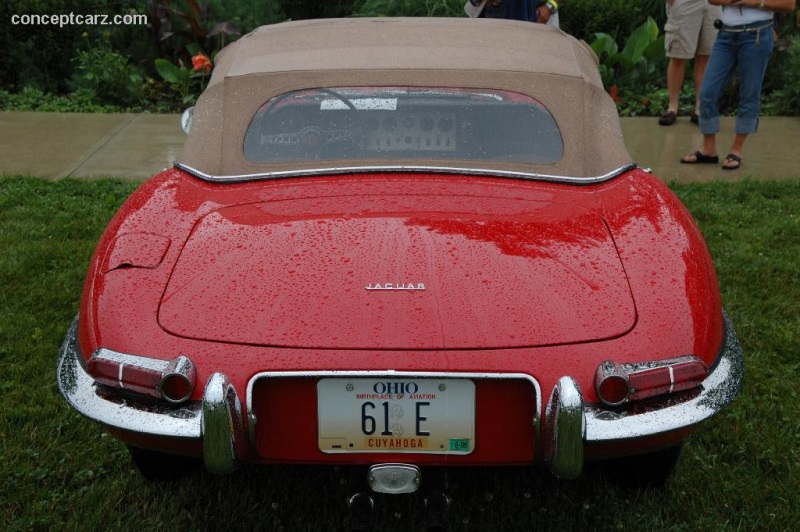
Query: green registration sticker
column 459, row 445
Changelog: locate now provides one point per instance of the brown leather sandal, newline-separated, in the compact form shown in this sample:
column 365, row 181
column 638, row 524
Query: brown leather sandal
column 699, row 158
column 731, row 158
column 667, row 119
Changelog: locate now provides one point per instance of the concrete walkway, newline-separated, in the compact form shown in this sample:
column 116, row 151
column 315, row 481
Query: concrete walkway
column 56, row 145
column 136, row 146
column 769, row 154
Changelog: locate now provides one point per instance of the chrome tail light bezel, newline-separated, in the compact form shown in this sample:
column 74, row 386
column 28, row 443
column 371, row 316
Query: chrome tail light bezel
column 645, row 380
column 144, row 376
column 183, row 369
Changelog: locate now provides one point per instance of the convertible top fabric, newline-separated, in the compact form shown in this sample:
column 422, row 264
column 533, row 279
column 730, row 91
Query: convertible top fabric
column 537, row 60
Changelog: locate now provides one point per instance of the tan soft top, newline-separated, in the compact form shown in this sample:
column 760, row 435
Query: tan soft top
column 534, row 59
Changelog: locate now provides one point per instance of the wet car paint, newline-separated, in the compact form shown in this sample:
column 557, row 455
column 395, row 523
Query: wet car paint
column 667, row 267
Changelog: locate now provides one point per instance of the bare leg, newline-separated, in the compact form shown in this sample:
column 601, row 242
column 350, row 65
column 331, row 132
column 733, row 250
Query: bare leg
column 675, row 74
column 700, row 63
column 710, row 144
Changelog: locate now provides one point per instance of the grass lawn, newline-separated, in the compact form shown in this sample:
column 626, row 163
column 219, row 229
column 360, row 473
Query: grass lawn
column 739, row 471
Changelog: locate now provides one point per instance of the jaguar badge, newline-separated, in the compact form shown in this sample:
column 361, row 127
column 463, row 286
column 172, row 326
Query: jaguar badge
column 395, row 286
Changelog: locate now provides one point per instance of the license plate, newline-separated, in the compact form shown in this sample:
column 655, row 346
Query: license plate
column 396, row 415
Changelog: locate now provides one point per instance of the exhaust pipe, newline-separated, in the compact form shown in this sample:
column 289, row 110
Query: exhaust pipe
column 360, row 517
column 436, row 500
column 394, row 479
column 436, row 505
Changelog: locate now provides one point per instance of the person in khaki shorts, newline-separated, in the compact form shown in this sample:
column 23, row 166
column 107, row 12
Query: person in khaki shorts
column 690, row 33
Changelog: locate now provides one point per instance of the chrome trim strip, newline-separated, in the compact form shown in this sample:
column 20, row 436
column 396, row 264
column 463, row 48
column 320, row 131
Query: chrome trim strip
column 251, row 418
column 718, row 390
column 81, row 391
column 124, row 359
column 671, row 379
column 565, row 428
column 589, row 180
column 223, row 430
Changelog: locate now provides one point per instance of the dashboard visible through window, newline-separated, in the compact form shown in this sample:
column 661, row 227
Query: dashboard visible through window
column 409, row 124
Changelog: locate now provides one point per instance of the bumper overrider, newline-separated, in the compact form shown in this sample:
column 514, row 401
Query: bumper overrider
column 569, row 425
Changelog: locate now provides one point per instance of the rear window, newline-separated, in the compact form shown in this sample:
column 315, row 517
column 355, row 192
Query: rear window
column 406, row 125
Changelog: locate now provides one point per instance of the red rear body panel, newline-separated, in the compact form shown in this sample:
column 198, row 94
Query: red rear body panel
column 288, row 433
column 521, row 277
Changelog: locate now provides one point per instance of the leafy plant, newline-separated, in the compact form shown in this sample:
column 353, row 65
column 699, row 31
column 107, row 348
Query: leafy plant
column 33, row 99
column 189, row 25
column 108, row 75
column 248, row 15
column 33, row 55
column 306, row 9
column 188, row 82
column 409, row 8
column 636, row 65
column 636, row 61
column 784, row 76
column 584, row 18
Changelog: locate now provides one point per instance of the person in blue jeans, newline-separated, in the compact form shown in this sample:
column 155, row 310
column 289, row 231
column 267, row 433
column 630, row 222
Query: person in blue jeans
column 745, row 40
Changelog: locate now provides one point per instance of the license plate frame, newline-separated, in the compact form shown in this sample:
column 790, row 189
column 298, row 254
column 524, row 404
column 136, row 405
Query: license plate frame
column 426, row 415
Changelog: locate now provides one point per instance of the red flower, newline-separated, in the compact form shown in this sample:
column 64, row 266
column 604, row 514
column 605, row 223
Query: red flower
column 614, row 93
column 201, row 63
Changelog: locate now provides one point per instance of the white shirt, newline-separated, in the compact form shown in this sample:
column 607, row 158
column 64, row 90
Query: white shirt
column 736, row 16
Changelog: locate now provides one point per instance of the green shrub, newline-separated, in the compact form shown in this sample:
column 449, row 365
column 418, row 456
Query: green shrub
column 177, row 26
column 782, row 83
column 246, row 14
column 584, row 18
column 107, row 75
column 186, row 79
column 639, row 60
column 38, row 56
column 306, row 9
column 409, row 8
column 33, row 99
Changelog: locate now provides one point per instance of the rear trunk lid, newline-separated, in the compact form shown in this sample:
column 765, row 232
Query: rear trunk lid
column 402, row 273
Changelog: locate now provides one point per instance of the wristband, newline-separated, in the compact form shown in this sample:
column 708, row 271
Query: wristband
column 553, row 5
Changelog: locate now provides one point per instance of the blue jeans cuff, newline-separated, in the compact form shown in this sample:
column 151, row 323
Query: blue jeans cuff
column 746, row 126
column 709, row 125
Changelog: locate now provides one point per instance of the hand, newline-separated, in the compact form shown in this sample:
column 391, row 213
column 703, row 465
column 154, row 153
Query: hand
column 543, row 14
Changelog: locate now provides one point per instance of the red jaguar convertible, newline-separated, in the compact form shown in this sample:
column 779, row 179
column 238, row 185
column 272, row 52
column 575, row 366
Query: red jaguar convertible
column 402, row 244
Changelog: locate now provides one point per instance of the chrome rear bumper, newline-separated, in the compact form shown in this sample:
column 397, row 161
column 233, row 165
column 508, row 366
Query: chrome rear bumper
column 217, row 419
column 112, row 410
column 566, row 424
column 569, row 423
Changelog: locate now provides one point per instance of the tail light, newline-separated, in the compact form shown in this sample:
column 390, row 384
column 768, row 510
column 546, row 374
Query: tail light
column 172, row 380
column 177, row 382
column 617, row 384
